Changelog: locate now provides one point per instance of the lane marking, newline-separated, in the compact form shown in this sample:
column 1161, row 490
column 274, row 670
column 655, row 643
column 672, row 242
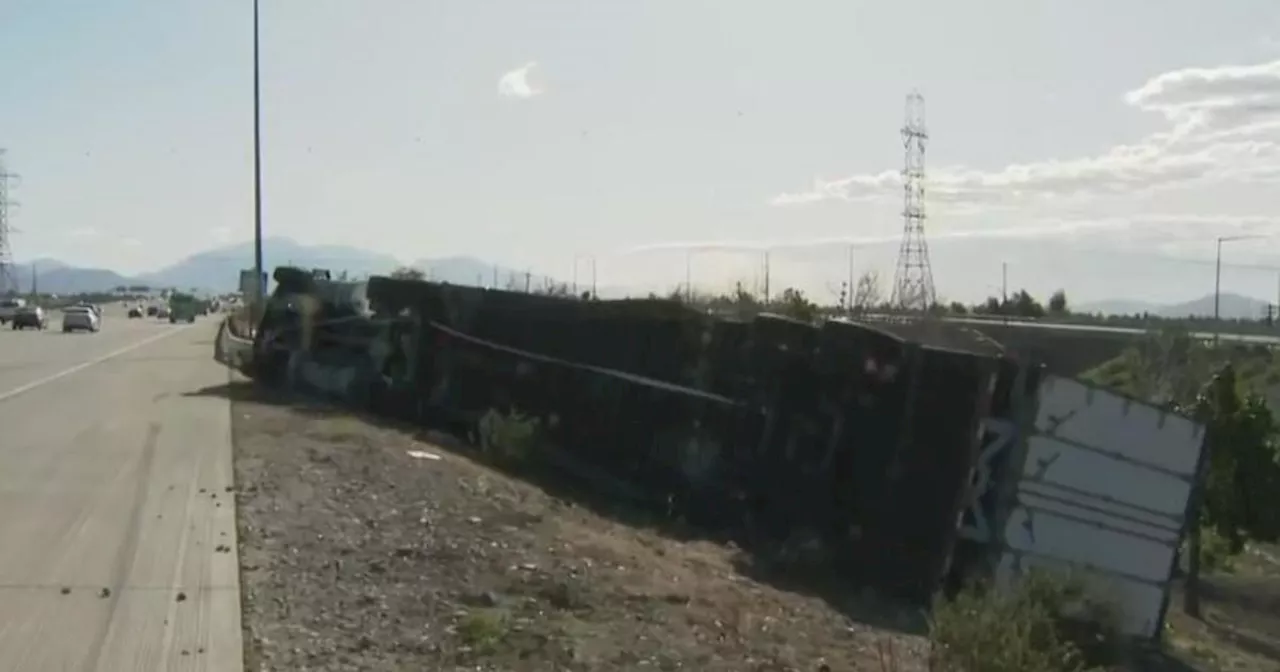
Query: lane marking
column 21, row 389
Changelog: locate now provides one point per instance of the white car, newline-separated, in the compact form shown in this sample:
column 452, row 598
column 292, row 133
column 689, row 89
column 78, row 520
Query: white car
column 77, row 318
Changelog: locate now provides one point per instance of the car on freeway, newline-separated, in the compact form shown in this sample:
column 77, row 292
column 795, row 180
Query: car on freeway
column 153, row 311
column 135, row 312
column 80, row 318
column 162, row 312
column 30, row 317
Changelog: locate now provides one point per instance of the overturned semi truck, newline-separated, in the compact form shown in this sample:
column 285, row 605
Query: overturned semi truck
column 914, row 466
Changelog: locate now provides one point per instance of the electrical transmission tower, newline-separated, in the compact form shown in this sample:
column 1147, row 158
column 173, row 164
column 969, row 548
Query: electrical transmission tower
column 913, row 280
column 8, row 279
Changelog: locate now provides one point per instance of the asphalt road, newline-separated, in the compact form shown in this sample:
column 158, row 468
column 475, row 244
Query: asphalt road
column 114, row 498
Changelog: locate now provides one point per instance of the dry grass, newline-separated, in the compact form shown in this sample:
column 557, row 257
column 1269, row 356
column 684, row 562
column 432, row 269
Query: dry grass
column 359, row 555
column 1241, row 626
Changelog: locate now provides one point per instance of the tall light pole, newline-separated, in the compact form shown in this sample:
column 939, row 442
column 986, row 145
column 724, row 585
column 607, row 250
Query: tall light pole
column 688, row 276
column 1217, row 281
column 257, row 166
column 848, row 288
column 1004, row 282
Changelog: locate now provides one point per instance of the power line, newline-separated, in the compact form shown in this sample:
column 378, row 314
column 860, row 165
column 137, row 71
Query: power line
column 913, row 281
column 8, row 279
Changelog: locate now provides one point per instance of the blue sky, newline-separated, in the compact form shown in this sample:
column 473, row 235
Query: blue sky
column 1060, row 130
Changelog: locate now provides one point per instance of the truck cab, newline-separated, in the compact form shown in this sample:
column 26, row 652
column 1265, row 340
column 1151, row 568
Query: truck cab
column 9, row 308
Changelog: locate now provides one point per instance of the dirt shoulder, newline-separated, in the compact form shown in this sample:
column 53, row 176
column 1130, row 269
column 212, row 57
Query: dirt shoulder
column 1241, row 626
column 358, row 554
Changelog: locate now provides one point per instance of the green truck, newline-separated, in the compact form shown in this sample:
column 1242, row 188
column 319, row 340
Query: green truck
column 185, row 307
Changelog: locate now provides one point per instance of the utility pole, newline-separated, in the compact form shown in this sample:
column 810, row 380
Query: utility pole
column 1004, row 282
column 8, row 281
column 688, row 276
column 1217, row 281
column 848, row 292
column 766, row 277
column 528, row 278
column 913, row 287
column 257, row 166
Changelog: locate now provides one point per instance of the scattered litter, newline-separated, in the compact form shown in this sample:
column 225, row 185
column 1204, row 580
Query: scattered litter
column 423, row 455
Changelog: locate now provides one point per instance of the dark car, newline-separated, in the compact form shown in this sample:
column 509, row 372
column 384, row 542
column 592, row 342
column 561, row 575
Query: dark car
column 135, row 312
column 30, row 317
column 152, row 311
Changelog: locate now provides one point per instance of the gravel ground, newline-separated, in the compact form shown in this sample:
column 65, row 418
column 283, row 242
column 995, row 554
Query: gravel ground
column 360, row 555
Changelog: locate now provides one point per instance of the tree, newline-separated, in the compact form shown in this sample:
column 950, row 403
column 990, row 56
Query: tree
column 992, row 306
column 1237, row 490
column 796, row 305
column 1025, row 305
column 1058, row 303
column 408, row 273
column 866, row 292
column 743, row 303
column 552, row 288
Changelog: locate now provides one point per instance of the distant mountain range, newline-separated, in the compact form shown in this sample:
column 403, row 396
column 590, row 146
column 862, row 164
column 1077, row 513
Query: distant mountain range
column 218, row 270
column 1230, row 306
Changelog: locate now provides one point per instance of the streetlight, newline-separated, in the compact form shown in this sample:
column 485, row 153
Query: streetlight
column 1217, row 279
column 257, row 166
column 688, row 276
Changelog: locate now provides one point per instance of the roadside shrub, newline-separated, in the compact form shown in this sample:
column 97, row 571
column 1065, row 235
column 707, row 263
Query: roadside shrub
column 1216, row 554
column 508, row 437
column 1044, row 625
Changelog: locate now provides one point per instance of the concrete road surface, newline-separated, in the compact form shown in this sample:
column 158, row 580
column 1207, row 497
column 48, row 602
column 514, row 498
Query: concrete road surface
column 114, row 500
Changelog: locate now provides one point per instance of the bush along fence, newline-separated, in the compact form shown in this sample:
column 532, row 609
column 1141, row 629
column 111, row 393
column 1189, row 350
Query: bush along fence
column 914, row 467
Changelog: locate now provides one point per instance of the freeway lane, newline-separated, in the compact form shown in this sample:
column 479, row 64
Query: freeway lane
column 31, row 357
column 114, row 500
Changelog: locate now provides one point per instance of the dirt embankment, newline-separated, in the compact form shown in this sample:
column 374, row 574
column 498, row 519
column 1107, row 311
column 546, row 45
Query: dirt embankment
column 364, row 549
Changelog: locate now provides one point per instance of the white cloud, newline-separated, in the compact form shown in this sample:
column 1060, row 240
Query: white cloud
column 1223, row 125
column 516, row 84
column 83, row 233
